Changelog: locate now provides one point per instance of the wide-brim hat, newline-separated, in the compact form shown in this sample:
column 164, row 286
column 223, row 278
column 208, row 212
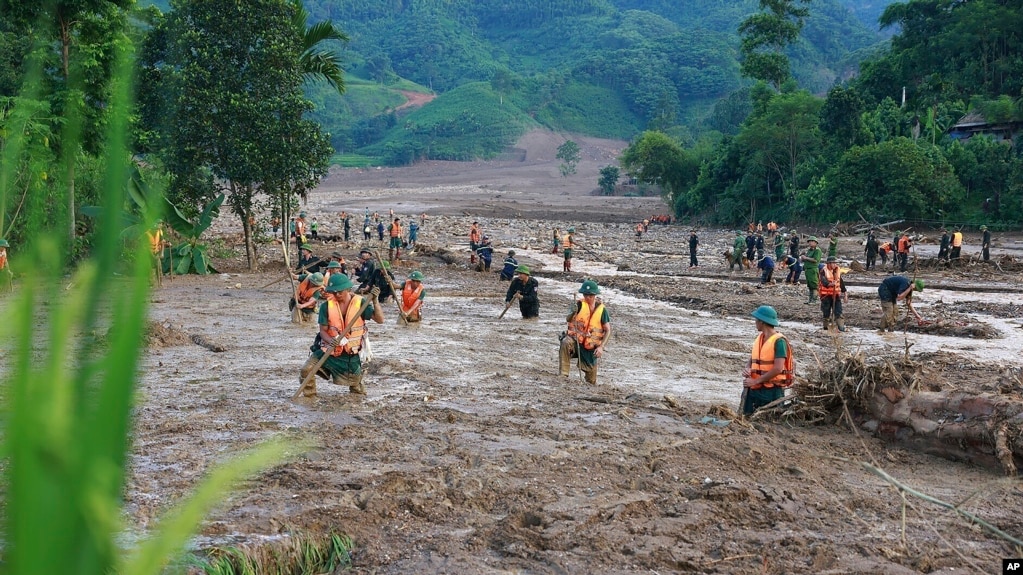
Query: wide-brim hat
column 334, row 266
column 766, row 314
column 306, row 247
column 338, row 282
column 522, row 270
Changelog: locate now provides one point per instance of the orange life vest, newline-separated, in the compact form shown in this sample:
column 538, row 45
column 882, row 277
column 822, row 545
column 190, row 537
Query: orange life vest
column 886, row 247
column 904, row 244
column 566, row 242
column 395, row 230
column 336, row 324
column 300, row 227
column 474, row 235
column 586, row 326
column 957, row 240
column 763, row 361
column 834, row 278
column 639, row 227
column 3, row 259
column 409, row 297
column 306, row 290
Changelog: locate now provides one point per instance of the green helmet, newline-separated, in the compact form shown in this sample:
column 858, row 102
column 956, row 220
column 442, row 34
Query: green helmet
column 416, row 276
column 918, row 285
column 301, row 214
column 589, row 287
column 811, row 239
column 523, row 269
column 338, row 282
column 316, row 279
column 306, row 247
column 571, row 230
column 4, row 244
column 766, row 314
column 334, row 266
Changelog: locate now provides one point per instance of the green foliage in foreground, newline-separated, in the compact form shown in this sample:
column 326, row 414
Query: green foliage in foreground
column 68, row 398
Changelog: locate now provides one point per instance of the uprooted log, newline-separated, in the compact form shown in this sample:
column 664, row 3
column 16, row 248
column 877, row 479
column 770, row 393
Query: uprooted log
column 887, row 398
column 448, row 256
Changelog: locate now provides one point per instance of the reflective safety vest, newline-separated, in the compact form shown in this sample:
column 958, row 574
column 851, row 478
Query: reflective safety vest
column 409, row 297
column 336, row 324
column 957, row 240
column 834, row 278
column 763, row 361
column 474, row 235
column 566, row 242
column 3, row 259
column 395, row 230
column 586, row 328
column 904, row 244
column 885, row 247
column 300, row 227
column 306, row 290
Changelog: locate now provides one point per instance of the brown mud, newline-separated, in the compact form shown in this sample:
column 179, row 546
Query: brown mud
column 471, row 455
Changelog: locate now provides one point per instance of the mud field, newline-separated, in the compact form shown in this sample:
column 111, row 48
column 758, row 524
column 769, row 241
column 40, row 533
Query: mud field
column 471, row 455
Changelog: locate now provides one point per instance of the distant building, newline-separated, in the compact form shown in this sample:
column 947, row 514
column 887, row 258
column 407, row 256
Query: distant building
column 974, row 123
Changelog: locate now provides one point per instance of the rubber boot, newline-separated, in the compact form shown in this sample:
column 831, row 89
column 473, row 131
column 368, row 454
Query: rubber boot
column 390, row 255
column 827, row 324
column 568, row 265
column 840, row 322
column 357, row 389
column 809, row 297
column 397, row 253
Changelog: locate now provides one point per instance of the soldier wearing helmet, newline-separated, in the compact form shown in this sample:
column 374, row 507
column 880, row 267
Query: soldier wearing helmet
column 309, row 294
column 412, row 296
column 589, row 328
column 526, row 288
column 342, row 312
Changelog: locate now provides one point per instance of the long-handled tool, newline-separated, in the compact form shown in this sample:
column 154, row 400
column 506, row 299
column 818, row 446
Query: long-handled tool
column 509, row 304
column 296, row 314
column 394, row 289
column 330, row 350
column 742, row 401
column 304, row 268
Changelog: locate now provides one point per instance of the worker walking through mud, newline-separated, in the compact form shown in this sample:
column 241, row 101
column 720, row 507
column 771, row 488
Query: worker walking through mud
column 526, row 289
column 567, row 243
column 412, row 297
column 341, row 311
column 589, row 327
column 770, row 369
column 811, row 259
column 833, row 293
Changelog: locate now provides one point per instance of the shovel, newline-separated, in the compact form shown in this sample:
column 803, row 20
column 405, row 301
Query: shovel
column 329, row 351
column 296, row 314
column 506, row 307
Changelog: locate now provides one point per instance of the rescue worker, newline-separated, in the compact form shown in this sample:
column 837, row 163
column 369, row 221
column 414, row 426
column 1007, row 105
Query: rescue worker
column 365, row 269
column 760, row 228
column 314, row 229
column 555, row 240
column 957, row 246
column 380, row 281
column 301, row 228
column 883, row 251
column 340, row 309
column 589, row 327
column 510, row 263
column 394, row 247
column 567, row 243
column 904, row 245
column 308, row 289
column 738, row 245
column 412, row 296
column 760, row 245
column 832, row 245
column 794, row 244
column 527, row 289
column 475, row 235
column 810, row 261
column 334, row 267
column 5, row 269
column 639, row 231
column 779, row 247
column 766, row 266
column 751, row 246
column 891, row 290
column 832, row 293
column 413, row 234
column 985, row 243
column 380, row 230
column 348, row 227
column 943, row 244
column 307, row 262
column 770, row 369
column 486, row 254
column 772, row 228
column 795, row 268
column 870, row 250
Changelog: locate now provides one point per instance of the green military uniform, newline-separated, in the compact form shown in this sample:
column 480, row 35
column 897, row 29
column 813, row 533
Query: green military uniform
column 811, row 259
column 738, row 247
column 343, row 369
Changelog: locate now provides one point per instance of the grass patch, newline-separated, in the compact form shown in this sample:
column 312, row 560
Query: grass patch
column 354, row 161
column 299, row 554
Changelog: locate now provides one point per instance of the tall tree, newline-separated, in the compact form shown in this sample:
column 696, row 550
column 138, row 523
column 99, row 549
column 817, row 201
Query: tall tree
column 766, row 34
column 239, row 105
column 72, row 24
column 319, row 61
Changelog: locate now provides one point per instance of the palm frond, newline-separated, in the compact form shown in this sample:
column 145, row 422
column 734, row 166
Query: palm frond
column 321, row 32
column 323, row 65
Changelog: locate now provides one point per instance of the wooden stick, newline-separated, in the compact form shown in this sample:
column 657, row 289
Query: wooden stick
column 296, row 313
column 510, row 302
column 394, row 289
column 328, row 352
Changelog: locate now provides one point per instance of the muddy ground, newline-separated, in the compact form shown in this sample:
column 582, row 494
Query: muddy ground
column 471, row 455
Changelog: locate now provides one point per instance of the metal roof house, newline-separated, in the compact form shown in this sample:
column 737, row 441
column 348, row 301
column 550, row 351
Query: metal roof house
column 974, row 123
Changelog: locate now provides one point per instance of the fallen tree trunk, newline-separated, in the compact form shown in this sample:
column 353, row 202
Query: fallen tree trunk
column 886, row 399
